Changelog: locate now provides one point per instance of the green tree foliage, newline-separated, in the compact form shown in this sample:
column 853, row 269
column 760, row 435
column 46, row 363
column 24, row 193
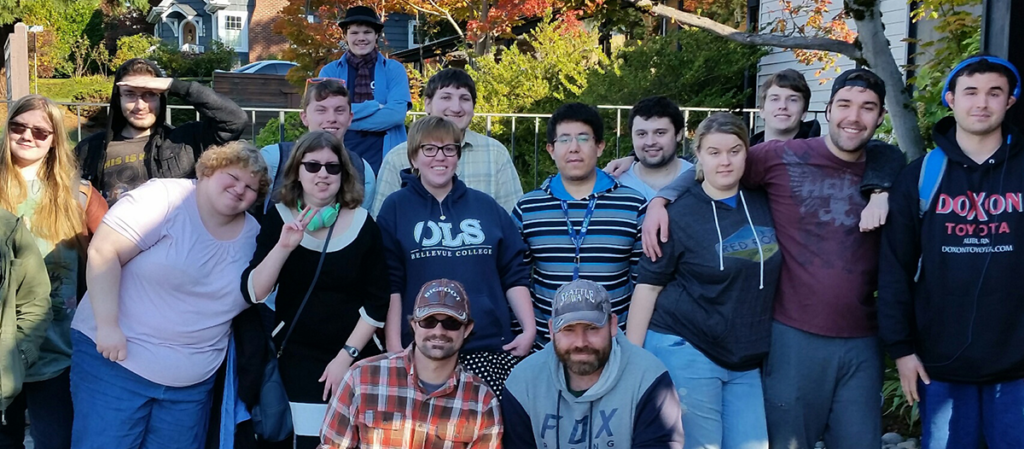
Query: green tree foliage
column 271, row 133
column 689, row 66
column 137, row 46
column 68, row 22
column 960, row 32
column 546, row 68
column 216, row 56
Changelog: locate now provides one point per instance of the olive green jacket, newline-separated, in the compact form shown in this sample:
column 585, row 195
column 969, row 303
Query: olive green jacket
column 24, row 304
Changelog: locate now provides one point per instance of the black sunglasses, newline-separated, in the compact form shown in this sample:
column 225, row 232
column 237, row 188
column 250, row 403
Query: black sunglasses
column 449, row 323
column 37, row 133
column 333, row 168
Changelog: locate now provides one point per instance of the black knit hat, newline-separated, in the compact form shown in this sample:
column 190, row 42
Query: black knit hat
column 364, row 15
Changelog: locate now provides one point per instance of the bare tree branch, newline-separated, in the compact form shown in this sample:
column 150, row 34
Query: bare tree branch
column 770, row 40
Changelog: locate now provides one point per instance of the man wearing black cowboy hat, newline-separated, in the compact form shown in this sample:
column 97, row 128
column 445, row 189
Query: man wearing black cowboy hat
column 379, row 88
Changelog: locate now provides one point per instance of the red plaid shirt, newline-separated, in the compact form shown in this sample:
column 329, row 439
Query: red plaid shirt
column 382, row 405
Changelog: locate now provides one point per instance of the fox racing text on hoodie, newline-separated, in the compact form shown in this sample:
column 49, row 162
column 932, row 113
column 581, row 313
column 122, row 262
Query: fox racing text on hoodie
column 962, row 316
column 633, row 404
column 467, row 237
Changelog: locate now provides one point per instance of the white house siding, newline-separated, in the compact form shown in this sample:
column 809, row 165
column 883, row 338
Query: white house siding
column 895, row 16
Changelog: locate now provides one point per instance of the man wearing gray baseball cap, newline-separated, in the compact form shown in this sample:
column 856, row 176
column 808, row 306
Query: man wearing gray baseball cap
column 590, row 385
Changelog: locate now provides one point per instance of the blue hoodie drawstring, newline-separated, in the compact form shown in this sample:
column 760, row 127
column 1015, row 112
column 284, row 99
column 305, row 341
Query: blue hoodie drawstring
column 760, row 252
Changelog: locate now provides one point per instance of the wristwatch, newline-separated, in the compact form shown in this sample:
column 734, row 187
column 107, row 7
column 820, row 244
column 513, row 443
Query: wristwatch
column 351, row 351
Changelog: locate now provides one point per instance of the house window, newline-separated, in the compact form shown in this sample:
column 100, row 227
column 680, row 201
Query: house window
column 232, row 30
column 415, row 40
column 233, row 23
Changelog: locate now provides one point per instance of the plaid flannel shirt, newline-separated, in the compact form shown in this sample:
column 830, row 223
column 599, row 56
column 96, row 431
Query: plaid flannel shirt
column 381, row 405
column 485, row 166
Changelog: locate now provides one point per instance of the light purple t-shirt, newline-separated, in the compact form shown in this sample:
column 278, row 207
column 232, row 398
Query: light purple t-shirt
column 179, row 294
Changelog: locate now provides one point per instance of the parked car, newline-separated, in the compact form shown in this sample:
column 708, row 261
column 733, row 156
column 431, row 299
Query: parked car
column 270, row 67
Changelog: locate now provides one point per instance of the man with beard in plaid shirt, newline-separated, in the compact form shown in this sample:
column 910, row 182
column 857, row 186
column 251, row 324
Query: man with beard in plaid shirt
column 419, row 397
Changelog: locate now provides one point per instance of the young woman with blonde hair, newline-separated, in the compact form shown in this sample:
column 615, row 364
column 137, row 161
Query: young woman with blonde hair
column 39, row 182
column 705, row 307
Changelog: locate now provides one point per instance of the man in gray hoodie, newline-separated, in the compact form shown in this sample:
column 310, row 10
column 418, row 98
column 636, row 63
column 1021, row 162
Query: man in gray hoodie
column 590, row 385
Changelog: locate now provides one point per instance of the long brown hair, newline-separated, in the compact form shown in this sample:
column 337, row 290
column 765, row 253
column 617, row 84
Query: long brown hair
column 59, row 216
column 350, row 195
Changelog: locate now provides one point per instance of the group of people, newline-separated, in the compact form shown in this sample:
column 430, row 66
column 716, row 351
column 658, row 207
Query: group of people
column 413, row 296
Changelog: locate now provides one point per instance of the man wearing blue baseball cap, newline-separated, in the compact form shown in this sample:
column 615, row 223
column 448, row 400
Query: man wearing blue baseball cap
column 590, row 386
column 950, row 296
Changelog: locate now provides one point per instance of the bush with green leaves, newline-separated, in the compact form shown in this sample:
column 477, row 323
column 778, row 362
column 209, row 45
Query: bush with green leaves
column 65, row 22
column 178, row 64
column 271, row 133
column 136, row 46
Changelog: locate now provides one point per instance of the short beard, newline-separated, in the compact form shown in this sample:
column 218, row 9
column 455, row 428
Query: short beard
column 860, row 146
column 584, row 368
column 665, row 160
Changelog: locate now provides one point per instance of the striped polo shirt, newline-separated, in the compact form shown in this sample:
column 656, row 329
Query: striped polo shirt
column 608, row 255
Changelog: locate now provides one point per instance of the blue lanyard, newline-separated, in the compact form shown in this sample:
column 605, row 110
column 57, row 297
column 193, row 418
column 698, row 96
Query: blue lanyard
column 577, row 239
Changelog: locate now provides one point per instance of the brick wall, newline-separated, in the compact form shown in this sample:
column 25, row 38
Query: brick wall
column 262, row 41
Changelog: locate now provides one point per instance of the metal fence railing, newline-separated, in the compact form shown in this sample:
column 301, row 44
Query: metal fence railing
column 523, row 134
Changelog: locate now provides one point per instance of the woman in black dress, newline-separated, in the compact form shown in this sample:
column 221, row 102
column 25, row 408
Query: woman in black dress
column 318, row 209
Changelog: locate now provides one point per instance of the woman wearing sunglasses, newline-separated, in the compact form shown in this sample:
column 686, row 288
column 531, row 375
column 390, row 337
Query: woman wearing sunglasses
column 155, row 324
column 39, row 183
column 435, row 227
column 323, row 254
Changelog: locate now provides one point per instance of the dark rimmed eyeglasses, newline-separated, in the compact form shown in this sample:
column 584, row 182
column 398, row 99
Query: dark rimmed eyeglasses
column 333, row 168
column 147, row 96
column 450, row 150
column 37, row 133
column 320, row 80
column 449, row 323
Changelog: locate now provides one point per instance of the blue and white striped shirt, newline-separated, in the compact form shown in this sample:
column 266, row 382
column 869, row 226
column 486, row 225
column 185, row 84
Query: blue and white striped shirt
column 608, row 256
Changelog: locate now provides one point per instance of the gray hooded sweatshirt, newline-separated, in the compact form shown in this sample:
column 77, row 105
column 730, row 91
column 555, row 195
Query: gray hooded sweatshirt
column 633, row 404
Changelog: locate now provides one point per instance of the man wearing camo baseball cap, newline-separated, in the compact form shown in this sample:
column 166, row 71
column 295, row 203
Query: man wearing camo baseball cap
column 590, row 372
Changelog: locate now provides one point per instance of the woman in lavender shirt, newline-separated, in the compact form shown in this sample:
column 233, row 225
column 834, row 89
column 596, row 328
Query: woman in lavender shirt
column 154, row 326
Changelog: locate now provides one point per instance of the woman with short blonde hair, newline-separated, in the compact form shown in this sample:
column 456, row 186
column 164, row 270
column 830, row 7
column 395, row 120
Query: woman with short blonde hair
column 163, row 288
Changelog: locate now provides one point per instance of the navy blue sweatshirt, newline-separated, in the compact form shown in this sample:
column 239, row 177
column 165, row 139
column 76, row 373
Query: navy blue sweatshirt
column 719, row 278
column 963, row 316
column 467, row 237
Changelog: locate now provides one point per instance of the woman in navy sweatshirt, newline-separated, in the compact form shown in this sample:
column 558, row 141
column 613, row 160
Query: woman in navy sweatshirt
column 435, row 227
column 704, row 309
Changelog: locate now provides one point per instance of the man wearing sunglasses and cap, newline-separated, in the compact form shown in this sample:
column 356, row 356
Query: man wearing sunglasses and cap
column 379, row 88
column 420, row 397
column 590, row 386
column 950, row 294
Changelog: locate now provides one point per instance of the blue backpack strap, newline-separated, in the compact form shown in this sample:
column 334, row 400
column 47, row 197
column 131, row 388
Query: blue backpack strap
column 284, row 151
column 932, row 170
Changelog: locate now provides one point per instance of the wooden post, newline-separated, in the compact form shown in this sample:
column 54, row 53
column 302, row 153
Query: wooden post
column 16, row 62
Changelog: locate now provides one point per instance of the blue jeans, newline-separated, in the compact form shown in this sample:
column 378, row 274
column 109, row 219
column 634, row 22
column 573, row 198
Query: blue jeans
column 49, row 405
column 823, row 387
column 721, row 408
column 958, row 415
column 116, row 408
